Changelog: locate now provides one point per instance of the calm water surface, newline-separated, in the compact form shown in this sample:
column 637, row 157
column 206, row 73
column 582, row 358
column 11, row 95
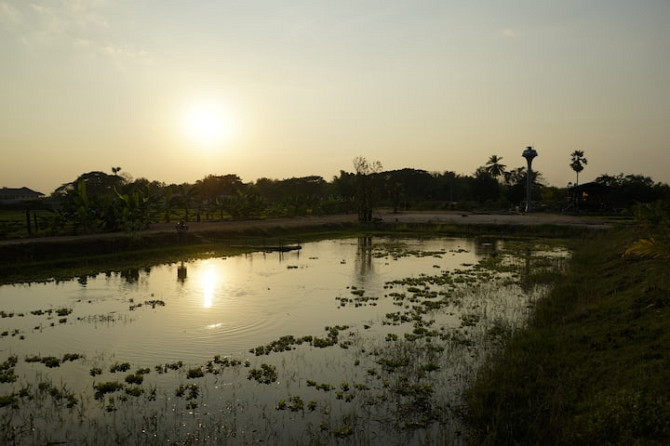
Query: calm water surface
column 194, row 310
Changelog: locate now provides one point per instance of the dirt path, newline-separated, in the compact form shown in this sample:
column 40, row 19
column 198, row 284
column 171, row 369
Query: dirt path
column 472, row 218
column 447, row 217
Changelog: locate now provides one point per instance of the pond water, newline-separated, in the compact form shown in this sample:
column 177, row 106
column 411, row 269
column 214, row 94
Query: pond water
column 358, row 340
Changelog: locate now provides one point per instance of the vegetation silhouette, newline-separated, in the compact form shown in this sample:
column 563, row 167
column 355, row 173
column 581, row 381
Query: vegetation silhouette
column 100, row 202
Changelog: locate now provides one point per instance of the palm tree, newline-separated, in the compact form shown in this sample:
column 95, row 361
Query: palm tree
column 494, row 167
column 577, row 163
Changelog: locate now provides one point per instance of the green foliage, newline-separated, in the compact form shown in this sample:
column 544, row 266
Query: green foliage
column 7, row 370
column 195, row 373
column 97, row 201
column 119, row 367
column 136, row 378
column 190, row 391
column 590, row 367
column 654, row 219
column 103, row 388
column 267, row 374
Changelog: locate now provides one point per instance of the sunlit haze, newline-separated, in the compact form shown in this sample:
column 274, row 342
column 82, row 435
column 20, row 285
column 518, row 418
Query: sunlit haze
column 174, row 91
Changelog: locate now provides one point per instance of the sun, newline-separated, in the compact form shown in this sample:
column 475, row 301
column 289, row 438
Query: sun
column 207, row 125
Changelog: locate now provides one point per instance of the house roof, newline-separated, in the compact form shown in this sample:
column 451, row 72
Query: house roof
column 13, row 192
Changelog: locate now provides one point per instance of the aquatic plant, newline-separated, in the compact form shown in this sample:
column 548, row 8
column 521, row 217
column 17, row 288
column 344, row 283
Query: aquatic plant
column 163, row 368
column 103, row 388
column 7, row 374
column 190, row 391
column 9, row 400
column 120, row 367
column 134, row 378
column 135, row 391
column 267, row 374
column 51, row 361
column 195, row 373
column 63, row 311
column 71, row 357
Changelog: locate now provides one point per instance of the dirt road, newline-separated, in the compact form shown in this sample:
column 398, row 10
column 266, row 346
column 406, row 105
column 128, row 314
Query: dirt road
column 446, row 217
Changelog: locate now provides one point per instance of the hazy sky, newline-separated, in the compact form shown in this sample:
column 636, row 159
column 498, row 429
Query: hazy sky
column 175, row 90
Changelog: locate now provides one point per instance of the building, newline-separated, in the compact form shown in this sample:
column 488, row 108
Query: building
column 590, row 197
column 10, row 194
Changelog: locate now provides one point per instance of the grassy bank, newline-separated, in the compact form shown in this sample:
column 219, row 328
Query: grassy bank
column 43, row 259
column 62, row 258
column 594, row 365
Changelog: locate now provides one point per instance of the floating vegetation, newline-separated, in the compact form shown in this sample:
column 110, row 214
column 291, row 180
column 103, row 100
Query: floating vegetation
column 267, row 374
column 164, row 368
column 189, row 391
column 50, row 361
column 285, row 343
column 63, row 311
column 295, row 404
column 120, row 367
column 195, row 373
column 135, row 391
column 103, row 388
column 135, row 378
column 7, row 370
column 69, row 357
column 154, row 303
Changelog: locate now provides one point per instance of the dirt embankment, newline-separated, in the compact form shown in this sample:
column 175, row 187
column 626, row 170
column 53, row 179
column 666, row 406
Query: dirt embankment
column 166, row 234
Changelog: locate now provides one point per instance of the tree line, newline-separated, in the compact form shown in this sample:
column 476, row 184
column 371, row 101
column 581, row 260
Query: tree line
column 99, row 201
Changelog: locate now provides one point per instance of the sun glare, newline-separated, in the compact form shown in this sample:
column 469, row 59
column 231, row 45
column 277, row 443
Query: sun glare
column 207, row 125
column 209, row 282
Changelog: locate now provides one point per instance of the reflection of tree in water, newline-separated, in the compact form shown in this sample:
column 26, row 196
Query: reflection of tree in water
column 364, row 256
column 526, row 283
column 181, row 273
column 130, row 275
column 486, row 246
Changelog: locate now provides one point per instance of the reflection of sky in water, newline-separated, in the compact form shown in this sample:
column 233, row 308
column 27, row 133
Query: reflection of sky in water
column 222, row 305
column 226, row 306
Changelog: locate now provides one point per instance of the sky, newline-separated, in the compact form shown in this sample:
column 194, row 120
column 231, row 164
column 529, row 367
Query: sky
column 175, row 90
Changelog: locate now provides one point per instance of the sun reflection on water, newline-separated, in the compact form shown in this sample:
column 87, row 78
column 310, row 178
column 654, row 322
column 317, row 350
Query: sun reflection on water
column 210, row 278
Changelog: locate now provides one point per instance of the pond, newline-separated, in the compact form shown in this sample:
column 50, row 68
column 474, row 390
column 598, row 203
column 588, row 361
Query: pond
column 356, row 340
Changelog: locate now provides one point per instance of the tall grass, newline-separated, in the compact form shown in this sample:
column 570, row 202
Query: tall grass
column 592, row 367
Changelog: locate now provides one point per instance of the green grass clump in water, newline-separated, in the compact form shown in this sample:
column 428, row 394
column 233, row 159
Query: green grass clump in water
column 106, row 387
column 267, row 374
column 592, row 366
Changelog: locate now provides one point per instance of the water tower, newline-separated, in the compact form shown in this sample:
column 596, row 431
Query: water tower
column 529, row 154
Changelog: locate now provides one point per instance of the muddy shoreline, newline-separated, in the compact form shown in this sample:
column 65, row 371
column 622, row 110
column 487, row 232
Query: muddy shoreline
column 165, row 234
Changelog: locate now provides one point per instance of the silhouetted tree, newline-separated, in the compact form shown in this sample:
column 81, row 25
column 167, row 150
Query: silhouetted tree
column 515, row 185
column 484, row 186
column 625, row 190
column 494, row 167
column 135, row 208
column 365, row 187
column 395, row 190
column 187, row 194
column 577, row 163
column 213, row 186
